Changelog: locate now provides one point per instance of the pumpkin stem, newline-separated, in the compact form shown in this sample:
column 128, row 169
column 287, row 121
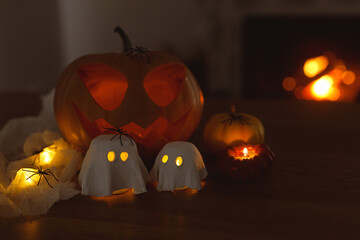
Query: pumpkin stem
column 232, row 108
column 127, row 47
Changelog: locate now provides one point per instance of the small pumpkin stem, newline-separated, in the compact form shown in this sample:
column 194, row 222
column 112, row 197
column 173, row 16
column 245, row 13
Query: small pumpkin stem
column 126, row 41
column 232, row 108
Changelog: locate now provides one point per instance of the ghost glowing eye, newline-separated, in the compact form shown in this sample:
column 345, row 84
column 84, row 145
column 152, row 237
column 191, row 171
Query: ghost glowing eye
column 179, row 161
column 165, row 158
column 111, row 156
column 124, row 156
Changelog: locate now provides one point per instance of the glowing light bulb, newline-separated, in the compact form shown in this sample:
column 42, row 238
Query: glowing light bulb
column 47, row 155
column 27, row 177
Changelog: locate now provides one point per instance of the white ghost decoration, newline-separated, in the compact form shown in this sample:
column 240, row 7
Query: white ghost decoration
column 111, row 165
column 178, row 165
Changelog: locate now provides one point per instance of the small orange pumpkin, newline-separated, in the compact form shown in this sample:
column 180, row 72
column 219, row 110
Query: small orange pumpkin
column 152, row 96
column 246, row 162
column 227, row 129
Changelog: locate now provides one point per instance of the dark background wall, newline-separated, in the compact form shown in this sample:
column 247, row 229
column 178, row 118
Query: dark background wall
column 214, row 38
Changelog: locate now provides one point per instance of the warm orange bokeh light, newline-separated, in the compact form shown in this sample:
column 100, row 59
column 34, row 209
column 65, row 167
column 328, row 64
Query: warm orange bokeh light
column 314, row 66
column 333, row 81
column 289, row 83
column 348, row 77
column 321, row 88
column 334, row 94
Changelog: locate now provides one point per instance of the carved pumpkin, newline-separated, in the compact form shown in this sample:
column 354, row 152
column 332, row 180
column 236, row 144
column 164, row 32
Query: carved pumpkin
column 152, row 96
column 246, row 162
column 227, row 129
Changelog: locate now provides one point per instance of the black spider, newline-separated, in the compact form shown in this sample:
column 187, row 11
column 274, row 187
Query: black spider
column 42, row 173
column 119, row 132
column 141, row 52
column 138, row 51
column 235, row 117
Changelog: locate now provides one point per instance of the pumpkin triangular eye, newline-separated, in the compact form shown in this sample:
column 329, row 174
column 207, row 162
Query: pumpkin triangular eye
column 164, row 83
column 106, row 85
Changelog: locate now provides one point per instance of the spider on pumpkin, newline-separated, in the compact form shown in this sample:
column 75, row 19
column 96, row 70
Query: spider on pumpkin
column 42, row 173
column 119, row 132
column 235, row 117
column 138, row 51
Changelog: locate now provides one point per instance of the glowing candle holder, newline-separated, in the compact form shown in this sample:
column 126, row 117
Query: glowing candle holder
column 246, row 162
column 242, row 153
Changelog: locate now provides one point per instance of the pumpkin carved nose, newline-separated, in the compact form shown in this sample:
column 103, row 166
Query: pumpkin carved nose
column 164, row 83
column 106, row 85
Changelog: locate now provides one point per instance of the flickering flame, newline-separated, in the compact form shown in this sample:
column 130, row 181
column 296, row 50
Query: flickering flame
column 322, row 87
column 245, row 152
column 314, row 66
column 242, row 153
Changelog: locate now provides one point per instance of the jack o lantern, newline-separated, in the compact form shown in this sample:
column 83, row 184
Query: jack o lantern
column 227, row 129
column 152, row 96
column 246, row 162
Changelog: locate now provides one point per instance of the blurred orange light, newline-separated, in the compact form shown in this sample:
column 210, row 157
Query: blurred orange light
column 334, row 94
column 289, row 83
column 299, row 92
column 348, row 77
column 314, row 66
column 321, row 87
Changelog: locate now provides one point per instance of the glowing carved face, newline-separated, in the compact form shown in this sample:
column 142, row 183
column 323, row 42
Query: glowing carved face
column 178, row 165
column 110, row 167
column 107, row 90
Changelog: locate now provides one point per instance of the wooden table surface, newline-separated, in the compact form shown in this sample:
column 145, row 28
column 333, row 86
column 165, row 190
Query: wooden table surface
column 312, row 192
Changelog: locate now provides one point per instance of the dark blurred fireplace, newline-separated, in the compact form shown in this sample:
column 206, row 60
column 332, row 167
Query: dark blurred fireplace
column 277, row 46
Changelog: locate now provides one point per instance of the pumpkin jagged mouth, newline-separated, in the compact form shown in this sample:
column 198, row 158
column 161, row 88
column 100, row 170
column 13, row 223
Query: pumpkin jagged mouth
column 160, row 131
